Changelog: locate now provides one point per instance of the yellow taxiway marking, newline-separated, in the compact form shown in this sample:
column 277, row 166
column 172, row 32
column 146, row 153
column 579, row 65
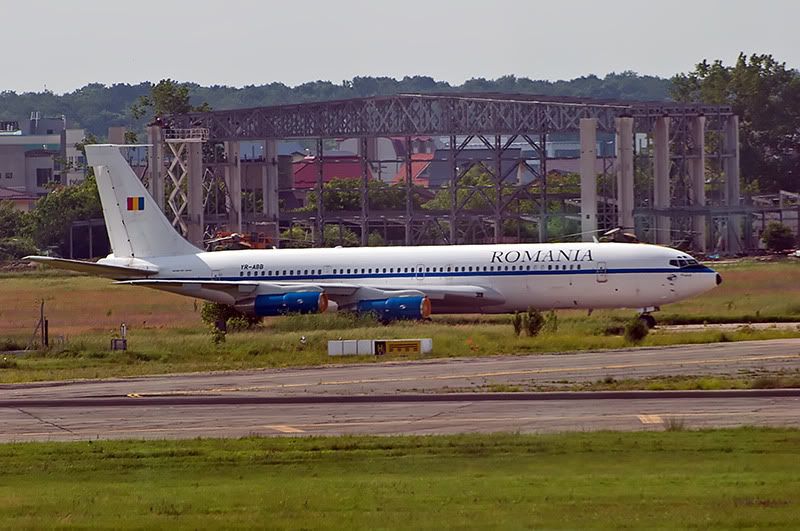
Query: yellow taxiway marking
column 134, row 395
column 650, row 419
column 286, row 429
column 366, row 423
column 466, row 376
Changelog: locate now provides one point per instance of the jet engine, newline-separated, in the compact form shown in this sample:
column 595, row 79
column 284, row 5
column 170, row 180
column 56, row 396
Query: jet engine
column 293, row 302
column 394, row 308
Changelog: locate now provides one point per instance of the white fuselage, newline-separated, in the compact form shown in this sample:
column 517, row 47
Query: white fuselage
column 544, row 276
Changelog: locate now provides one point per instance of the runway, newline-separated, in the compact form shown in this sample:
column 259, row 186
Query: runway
column 407, row 397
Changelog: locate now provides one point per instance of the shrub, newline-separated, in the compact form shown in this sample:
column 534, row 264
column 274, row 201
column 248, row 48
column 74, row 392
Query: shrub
column 237, row 324
column 516, row 321
column 551, row 322
column 221, row 316
column 16, row 248
column 7, row 363
column 636, row 330
column 534, row 322
column 217, row 335
column 777, row 236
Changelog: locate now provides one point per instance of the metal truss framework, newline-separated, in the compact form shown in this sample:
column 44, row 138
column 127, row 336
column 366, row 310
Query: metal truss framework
column 492, row 122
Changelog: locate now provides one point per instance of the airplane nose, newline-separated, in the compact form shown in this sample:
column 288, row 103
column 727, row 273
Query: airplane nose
column 719, row 279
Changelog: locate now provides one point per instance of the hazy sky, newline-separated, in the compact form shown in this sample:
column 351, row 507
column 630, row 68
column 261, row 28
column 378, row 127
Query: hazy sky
column 63, row 45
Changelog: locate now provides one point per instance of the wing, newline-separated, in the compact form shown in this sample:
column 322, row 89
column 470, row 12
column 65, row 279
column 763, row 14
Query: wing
column 227, row 292
column 346, row 295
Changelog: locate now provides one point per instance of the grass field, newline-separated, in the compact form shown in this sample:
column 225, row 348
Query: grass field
column 744, row 478
column 166, row 334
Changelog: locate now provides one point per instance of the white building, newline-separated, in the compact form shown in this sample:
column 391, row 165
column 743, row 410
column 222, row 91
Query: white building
column 38, row 153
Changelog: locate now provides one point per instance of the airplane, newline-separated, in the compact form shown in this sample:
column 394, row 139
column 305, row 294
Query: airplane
column 391, row 282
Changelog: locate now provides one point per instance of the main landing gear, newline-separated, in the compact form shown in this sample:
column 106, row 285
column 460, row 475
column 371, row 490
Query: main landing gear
column 647, row 318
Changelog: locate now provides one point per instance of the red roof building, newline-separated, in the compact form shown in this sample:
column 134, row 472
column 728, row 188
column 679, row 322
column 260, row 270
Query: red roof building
column 305, row 171
column 419, row 163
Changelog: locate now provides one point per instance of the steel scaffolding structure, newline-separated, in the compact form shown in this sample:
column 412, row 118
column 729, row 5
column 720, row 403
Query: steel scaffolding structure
column 665, row 153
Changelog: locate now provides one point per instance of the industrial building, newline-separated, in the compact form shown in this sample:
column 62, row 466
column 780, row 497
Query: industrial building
column 36, row 154
column 668, row 171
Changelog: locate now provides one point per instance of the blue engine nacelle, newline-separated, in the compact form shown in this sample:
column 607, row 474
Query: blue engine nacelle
column 395, row 308
column 296, row 302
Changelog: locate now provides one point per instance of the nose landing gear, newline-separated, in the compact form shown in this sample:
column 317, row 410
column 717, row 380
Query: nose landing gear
column 647, row 317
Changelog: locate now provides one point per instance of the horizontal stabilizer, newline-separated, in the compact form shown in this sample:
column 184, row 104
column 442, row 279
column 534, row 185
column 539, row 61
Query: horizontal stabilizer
column 103, row 270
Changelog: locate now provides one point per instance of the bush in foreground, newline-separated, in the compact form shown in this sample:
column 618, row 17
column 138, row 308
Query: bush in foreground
column 777, row 236
column 636, row 330
column 224, row 317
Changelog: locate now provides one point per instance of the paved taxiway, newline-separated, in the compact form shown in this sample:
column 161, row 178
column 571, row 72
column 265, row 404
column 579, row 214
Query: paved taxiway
column 403, row 397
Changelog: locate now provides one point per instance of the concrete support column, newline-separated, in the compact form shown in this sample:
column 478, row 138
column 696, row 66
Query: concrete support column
column 453, row 191
column 269, row 181
column 194, row 193
column 233, row 182
column 661, row 191
column 588, row 138
column 697, row 173
column 155, row 163
column 625, row 172
column 733, row 238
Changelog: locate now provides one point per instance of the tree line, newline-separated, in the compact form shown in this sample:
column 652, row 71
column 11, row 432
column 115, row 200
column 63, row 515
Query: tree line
column 762, row 91
column 95, row 107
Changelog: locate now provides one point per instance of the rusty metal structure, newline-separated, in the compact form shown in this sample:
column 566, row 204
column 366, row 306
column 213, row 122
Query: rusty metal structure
column 674, row 170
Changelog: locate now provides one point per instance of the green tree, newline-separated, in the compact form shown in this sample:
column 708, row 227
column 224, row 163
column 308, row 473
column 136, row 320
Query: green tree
column 166, row 97
column 50, row 222
column 476, row 191
column 296, row 238
column 766, row 97
column 345, row 194
column 11, row 220
column 777, row 236
column 375, row 240
column 334, row 235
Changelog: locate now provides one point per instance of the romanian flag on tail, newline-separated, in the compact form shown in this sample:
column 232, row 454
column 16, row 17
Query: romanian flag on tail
column 136, row 203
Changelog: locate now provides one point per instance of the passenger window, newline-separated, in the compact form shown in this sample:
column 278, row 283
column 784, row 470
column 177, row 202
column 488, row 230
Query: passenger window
column 241, row 273
column 549, row 267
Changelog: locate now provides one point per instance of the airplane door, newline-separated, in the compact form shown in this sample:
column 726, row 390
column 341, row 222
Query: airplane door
column 420, row 272
column 327, row 270
column 602, row 272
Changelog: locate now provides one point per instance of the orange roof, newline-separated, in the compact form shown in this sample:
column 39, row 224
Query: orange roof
column 419, row 163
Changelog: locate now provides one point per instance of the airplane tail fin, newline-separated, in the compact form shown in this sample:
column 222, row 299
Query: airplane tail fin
column 136, row 226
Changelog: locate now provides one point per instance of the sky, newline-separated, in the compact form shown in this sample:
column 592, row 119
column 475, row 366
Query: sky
column 63, row 45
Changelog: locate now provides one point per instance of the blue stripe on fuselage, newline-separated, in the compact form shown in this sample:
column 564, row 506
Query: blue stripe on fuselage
column 451, row 274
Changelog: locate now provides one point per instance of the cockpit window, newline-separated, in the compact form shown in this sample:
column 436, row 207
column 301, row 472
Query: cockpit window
column 682, row 262
column 673, row 263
